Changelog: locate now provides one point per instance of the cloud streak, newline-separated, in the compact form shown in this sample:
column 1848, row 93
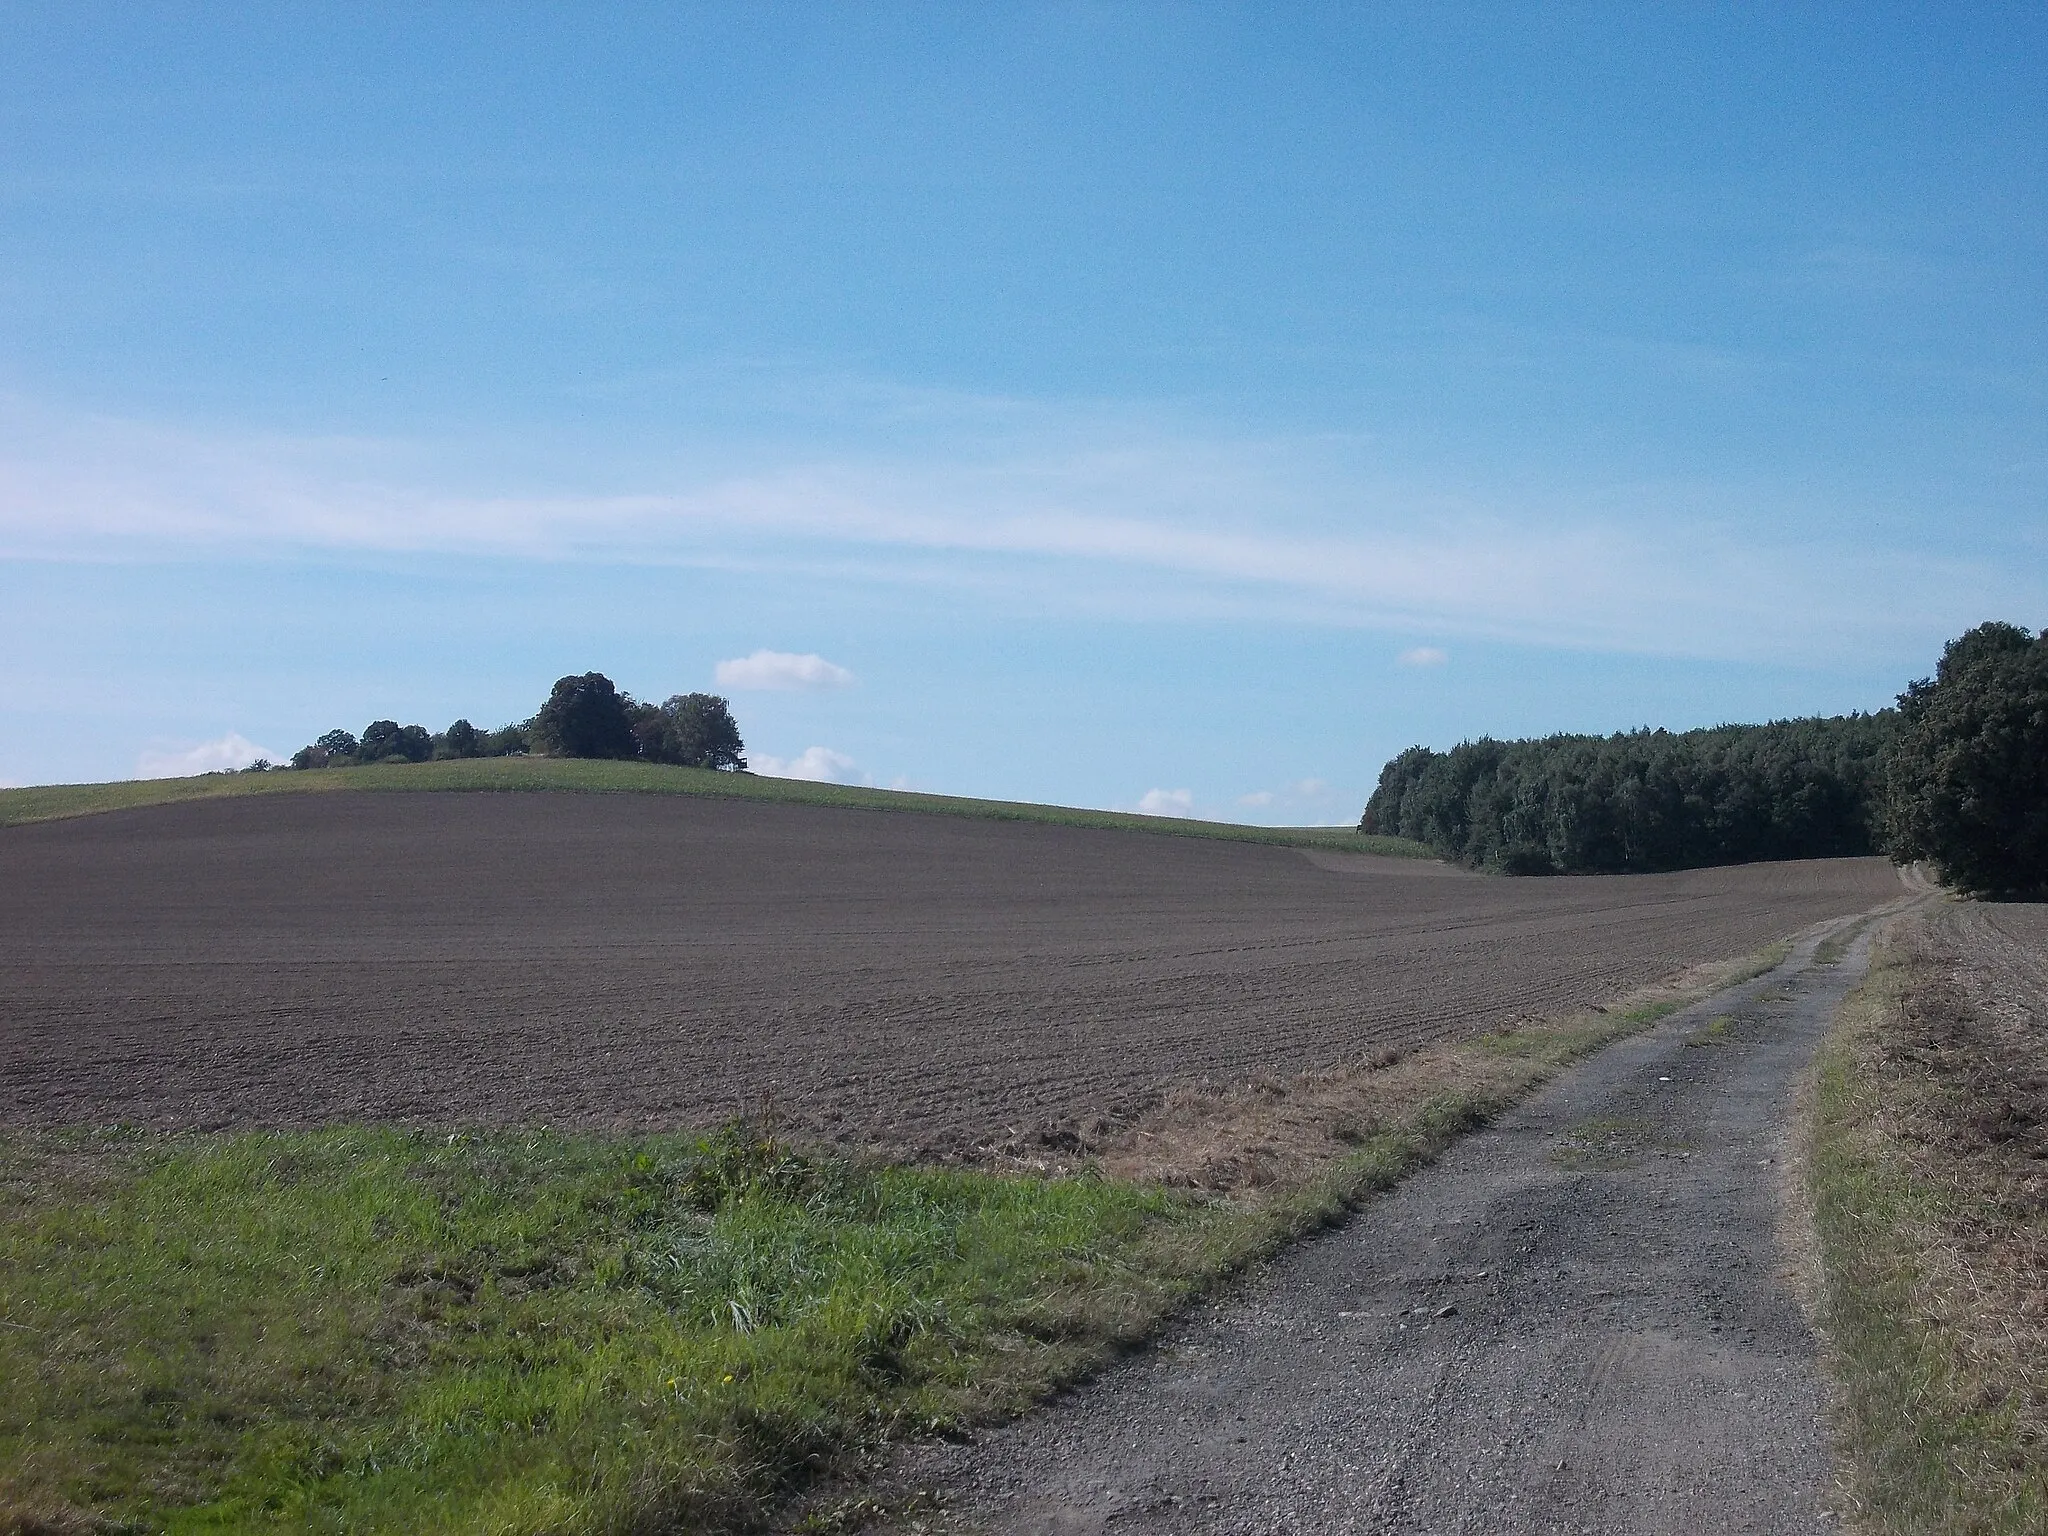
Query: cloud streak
column 820, row 765
column 783, row 671
column 1152, row 524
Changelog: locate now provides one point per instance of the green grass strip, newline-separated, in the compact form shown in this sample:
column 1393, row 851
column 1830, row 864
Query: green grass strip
column 589, row 776
column 1927, row 1449
column 379, row 1330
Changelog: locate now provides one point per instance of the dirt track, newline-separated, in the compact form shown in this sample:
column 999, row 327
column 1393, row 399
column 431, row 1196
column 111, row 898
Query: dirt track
column 1577, row 1322
column 626, row 960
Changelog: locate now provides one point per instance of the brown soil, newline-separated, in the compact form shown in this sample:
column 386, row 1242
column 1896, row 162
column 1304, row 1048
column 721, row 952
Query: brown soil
column 924, row 982
column 1272, row 1135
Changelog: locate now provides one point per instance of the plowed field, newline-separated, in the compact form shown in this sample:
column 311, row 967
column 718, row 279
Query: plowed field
column 639, row 960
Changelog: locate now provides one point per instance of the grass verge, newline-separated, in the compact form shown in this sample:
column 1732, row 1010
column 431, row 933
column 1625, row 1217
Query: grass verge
column 376, row 1330
column 587, row 776
column 382, row 1330
column 1932, row 1232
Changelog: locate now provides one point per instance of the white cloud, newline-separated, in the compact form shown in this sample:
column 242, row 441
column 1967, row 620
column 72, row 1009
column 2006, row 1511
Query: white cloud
column 230, row 751
column 819, row 764
column 782, row 670
column 1167, row 802
column 1423, row 656
column 1299, row 794
column 1122, row 514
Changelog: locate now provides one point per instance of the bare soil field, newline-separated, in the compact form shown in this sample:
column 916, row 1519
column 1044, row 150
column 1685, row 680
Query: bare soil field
column 930, row 983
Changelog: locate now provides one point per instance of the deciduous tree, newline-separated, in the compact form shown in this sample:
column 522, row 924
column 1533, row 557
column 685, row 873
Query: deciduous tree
column 585, row 717
column 1967, row 786
column 695, row 730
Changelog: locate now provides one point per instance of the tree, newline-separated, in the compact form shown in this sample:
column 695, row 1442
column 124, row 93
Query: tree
column 336, row 743
column 586, row 717
column 506, row 741
column 385, row 740
column 1967, row 786
column 694, row 730
column 461, row 739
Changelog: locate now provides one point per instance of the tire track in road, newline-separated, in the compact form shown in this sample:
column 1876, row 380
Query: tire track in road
column 1577, row 1321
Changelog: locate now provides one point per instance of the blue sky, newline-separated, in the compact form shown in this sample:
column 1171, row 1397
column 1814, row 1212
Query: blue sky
column 1198, row 403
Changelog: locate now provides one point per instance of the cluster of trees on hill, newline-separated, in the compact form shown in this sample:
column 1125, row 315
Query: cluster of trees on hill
column 584, row 716
column 1956, row 775
column 386, row 741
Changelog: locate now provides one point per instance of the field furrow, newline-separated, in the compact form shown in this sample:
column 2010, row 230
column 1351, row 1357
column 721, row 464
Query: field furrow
column 651, row 961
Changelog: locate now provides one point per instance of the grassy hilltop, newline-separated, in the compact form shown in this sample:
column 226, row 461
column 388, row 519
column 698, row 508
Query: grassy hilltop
column 597, row 776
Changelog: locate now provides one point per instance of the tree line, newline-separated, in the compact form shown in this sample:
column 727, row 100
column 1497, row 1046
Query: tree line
column 584, row 716
column 1957, row 775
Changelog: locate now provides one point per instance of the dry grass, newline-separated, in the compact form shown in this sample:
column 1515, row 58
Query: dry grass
column 1929, row 1181
column 1269, row 1138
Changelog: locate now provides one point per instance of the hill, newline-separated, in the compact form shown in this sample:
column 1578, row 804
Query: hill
column 597, row 776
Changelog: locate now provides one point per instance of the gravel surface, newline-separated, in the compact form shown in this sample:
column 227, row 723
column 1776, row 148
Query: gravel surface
column 1578, row 1321
column 648, row 960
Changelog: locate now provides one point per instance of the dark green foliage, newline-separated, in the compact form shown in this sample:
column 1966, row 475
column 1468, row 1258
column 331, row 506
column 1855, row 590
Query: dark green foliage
column 387, row 741
column 460, row 740
column 586, row 717
column 1967, row 788
column 337, row 746
column 1644, row 800
column 380, row 738
column 692, row 730
column 506, row 741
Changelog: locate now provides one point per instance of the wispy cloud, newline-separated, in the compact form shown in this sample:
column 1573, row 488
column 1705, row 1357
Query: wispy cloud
column 233, row 750
column 821, row 765
column 784, row 671
column 1134, row 521
column 1304, row 799
column 1167, row 802
column 1423, row 656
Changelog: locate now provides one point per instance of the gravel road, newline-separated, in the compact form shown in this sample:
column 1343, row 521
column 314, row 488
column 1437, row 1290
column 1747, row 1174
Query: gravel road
column 1578, row 1321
